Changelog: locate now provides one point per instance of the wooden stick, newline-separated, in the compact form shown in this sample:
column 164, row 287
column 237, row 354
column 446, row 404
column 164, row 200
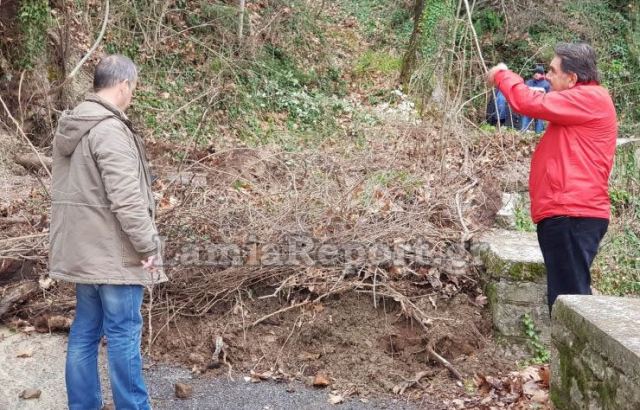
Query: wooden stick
column 297, row 305
column 19, row 128
column 445, row 363
column 479, row 49
column 95, row 45
column 16, row 294
column 84, row 59
column 13, row 221
column 277, row 312
column 18, row 238
column 32, row 162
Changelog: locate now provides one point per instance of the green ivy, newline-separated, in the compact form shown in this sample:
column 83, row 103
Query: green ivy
column 540, row 353
column 436, row 18
column 523, row 219
column 34, row 17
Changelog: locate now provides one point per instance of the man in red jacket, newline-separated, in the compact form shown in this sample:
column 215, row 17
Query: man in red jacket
column 568, row 184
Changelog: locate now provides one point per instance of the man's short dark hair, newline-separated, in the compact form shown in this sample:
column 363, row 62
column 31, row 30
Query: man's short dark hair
column 112, row 70
column 578, row 58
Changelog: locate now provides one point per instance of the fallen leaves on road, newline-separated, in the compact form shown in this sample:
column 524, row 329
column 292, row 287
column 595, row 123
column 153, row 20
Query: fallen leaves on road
column 22, row 354
column 335, row 398
column 183, row 391
column 520, row 390
column 321, row 380
column 277, row 375
column 29, row 394
column 517, row 390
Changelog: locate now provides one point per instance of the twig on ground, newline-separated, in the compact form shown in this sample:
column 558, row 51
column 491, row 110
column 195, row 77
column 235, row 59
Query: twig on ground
column 400, row 388
column 277, row 312
column 19, row 128
column 445, row 363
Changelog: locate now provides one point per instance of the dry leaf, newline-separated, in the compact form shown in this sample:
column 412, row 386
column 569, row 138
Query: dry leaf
column 321, row 380
column 30, row 394
column 335, row 398
column 481, row 300
column 45, row 282
column 309, row 356
column 183, row 391
column 530, row 388
column 261, row 376
column 541, row 396
column 544, row 374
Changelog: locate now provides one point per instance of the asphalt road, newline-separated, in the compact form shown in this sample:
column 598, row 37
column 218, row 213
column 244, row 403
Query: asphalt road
column 42, row 367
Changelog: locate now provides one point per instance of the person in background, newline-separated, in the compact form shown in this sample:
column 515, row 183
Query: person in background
column 570, row 167
column 498, row 110
column 539, row 83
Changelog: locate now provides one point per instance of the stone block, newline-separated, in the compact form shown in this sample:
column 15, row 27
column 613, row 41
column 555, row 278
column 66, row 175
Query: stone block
column 506, row 216
column 510, row 255
column 507, row 320
column 595, row 357
column 523, row 293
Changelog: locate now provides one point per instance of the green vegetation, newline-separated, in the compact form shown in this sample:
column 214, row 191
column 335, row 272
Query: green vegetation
column 198, row 75
column 34, row 18
column 539, row 351
column 386, row 24
column 376, row 62
column 523, row 218
column 610, row 26
column 616, row 269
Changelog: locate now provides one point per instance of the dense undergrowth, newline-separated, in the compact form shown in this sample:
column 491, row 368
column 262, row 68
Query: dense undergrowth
column 305, row 74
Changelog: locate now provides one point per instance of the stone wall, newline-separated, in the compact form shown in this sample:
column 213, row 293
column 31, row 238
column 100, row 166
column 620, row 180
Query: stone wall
column 515, row 281
column 595, row 357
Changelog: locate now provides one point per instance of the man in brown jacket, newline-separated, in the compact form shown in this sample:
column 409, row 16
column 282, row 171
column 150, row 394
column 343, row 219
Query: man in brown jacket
column 103, row 236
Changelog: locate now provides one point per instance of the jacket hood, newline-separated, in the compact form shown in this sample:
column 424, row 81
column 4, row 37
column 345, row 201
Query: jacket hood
column 75, row 124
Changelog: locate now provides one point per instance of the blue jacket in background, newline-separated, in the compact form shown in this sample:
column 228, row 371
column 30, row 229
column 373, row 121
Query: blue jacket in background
column 539, row 84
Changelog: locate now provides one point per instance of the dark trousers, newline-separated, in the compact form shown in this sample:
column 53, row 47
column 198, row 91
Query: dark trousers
column 568, row 246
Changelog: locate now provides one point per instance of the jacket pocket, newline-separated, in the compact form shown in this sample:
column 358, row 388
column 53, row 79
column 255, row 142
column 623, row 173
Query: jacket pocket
column 553, row 177
column 130, row 256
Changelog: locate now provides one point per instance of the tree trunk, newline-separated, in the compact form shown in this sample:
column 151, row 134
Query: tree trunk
column 409, row 59
column 241, row 7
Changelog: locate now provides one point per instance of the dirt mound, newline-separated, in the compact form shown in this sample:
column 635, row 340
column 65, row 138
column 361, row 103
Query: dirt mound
column 358, row 348
column 322, row 263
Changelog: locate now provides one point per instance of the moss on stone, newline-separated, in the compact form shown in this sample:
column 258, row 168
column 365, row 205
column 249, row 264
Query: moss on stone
column 572, row 367
column 491, row 292
column 607, row 392
column 519, row 271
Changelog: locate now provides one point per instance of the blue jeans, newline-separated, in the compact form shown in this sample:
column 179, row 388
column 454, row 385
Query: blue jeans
column 526, row 121
column 112, row 310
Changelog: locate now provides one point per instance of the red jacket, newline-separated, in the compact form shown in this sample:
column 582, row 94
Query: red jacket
column 571, row 165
